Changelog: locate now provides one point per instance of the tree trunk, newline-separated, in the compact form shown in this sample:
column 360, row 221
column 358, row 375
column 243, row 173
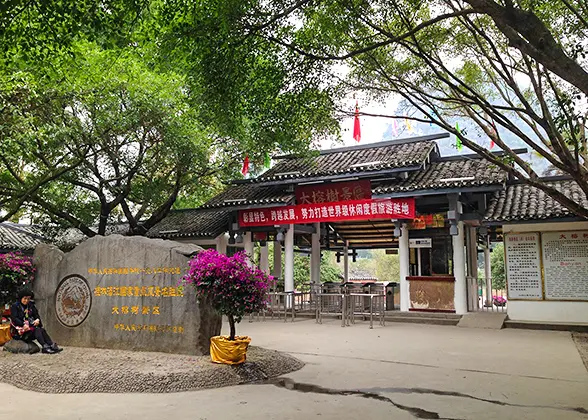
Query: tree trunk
column 232, row 327
column 526, row 32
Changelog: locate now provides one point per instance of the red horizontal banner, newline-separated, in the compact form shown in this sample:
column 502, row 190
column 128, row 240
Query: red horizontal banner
column 390, row 208
column 336, row 191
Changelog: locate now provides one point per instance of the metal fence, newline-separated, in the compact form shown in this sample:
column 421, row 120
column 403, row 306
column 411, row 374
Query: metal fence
column 348, row 301
column 489, row 299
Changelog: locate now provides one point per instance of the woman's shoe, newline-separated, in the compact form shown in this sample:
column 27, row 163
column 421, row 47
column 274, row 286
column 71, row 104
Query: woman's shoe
column 56, row 348
column 48, row 350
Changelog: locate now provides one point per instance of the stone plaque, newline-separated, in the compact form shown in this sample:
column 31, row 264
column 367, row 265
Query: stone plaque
column 73, row 300
column 565, row 261
column 123, row 293
column 523, row 266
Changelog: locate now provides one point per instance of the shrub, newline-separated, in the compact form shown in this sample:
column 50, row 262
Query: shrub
column 499, row 300
column 229, row 284
column 16, row 271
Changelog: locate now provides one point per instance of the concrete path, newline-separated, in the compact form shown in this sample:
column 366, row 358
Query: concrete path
column 401, row 371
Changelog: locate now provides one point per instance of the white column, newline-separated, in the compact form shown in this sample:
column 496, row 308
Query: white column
column 264, row 259
column 488, row 273
column 289, row 263
column 404, row 257
column 315, row 256
column 277, row 260
column 346, row 262
column 419, row 262
column 222, row 241
column 248, row 246
column 473, row 292
column 459, row 271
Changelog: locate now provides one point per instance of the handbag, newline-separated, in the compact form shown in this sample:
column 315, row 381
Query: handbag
column 19, row 331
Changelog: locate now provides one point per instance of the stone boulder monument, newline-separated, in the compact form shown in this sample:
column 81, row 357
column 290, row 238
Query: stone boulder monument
column 124, row 293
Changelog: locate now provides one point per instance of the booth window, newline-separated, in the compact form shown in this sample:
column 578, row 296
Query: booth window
column 442, row 256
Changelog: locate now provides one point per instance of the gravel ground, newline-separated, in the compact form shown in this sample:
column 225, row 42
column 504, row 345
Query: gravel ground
column 581, row 340
column 80, row 370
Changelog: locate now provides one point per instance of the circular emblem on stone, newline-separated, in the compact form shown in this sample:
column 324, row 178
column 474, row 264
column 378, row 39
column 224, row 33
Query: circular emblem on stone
column 73, row 300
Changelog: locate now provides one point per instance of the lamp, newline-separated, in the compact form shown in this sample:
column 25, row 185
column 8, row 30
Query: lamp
column 232, row 238
column 262, row 243
column 397, row 230
column 338, row 257
column 453, row 229
column 239, row 238
column 280, row 236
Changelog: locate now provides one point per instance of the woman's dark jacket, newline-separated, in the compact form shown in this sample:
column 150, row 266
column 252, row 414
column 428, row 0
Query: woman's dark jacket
column 17, row 314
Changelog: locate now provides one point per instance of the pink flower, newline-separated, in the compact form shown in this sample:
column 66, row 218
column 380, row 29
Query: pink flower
column 228, row 283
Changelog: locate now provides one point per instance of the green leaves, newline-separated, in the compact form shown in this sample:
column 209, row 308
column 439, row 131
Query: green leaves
column 109, row 132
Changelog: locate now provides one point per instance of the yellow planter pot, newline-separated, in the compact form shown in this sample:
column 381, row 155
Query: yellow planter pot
column 223, row 350
column 5, row 336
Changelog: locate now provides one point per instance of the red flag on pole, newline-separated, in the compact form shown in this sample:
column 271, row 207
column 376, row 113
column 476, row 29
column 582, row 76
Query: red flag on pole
column 245, row 169
column 495, row 132
column 356, row 128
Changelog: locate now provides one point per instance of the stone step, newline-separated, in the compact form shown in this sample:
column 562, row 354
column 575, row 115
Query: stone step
column 413, row 314
column 550, row 326
column 423, row 320
column 484, row 320
column 433, row 318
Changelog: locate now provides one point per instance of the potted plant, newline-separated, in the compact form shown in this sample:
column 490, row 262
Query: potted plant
column 234, row 289
column 499, row 300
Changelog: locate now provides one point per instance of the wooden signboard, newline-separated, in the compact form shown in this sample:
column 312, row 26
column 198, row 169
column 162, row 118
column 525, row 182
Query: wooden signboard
column 565, row 261
column 523, row 266
column 333, row 192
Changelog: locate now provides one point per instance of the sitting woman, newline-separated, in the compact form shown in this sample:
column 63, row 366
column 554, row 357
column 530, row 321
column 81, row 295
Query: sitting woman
column 26, row 323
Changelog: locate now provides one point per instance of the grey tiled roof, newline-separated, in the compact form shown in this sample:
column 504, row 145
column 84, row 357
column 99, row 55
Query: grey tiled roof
column 352, row 160
column 484, row 173
column 191, row 223
column 19, row 237
column 71, row 237
column 453, row 173
column 247, row 194
column 521, row 202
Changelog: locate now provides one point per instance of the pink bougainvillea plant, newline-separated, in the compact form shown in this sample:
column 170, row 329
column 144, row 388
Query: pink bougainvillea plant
column 499, row 300
column 229, row 284
column 16, row 271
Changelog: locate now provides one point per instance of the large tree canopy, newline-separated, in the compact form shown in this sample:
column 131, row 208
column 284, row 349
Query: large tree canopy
column 118, row 107
column 111, row 137
column 116, row 110
column 511, row 67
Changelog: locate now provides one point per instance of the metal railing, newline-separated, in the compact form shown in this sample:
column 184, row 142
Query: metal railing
column 348, row 301
column 490, row 299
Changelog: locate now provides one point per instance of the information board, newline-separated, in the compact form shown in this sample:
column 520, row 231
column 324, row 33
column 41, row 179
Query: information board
column 523, row 266
column 420, row 243
column 565, row 261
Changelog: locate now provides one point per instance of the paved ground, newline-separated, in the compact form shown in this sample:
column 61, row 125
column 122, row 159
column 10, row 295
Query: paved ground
column 400, row 371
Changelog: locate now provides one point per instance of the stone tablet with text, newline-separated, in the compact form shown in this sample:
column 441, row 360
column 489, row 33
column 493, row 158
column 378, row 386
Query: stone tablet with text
column 122, row 293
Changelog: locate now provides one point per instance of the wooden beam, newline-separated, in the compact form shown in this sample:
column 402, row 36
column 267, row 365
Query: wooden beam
column 371, row 240
column 368, row 235
column 359, row 232
column 364, row 226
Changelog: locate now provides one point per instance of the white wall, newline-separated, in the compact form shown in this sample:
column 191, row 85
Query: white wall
column 547, row 310
column 200, row 242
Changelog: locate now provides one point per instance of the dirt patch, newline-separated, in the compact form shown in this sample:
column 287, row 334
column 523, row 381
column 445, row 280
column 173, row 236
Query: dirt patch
column 81, row 370
column 581, row 340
